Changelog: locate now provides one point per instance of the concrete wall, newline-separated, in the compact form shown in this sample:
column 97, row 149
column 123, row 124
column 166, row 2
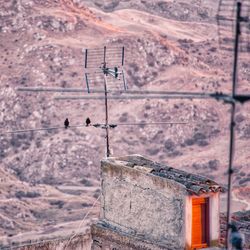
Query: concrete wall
column 142, row 204
column 214, row 219
column 79, row 242
column 107, row 238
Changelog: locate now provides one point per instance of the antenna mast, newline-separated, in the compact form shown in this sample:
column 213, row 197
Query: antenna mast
column 234, row 21
column 106, row 64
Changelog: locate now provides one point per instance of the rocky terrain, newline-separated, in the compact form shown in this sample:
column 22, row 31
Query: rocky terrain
column 50, row 179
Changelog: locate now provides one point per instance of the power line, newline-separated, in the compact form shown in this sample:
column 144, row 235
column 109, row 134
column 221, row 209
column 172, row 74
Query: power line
column 132, row 97
column 37, row 129
column 49, row 89
column 139, row 92
column 149, row 123
column 101, row 125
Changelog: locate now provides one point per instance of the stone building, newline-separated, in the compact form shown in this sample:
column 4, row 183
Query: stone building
column 146, row 205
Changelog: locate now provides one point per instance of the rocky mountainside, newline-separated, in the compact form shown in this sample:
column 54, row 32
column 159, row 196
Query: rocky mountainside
column 49, row 179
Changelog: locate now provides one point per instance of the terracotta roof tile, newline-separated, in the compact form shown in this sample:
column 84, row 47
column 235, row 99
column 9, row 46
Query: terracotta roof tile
column 195, row 184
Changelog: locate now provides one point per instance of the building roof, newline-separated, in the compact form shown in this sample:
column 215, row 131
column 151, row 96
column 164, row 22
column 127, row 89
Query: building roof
column 194, row 184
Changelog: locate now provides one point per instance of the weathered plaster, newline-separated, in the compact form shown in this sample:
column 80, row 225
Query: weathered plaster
column 214, row 219
column 188, row 222
column 109, row 238
column 144, row 204
column 144, row 207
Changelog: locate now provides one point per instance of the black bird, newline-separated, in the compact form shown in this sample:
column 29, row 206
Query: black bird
column 66, row 123
column 112, row 125
column 236, row 238
column 116, row 72
column 88, row 122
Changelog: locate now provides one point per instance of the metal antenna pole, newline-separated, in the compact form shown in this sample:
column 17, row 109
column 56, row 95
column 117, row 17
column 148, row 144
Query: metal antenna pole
column 106, row 104
column 232, row 124
column 106, row 116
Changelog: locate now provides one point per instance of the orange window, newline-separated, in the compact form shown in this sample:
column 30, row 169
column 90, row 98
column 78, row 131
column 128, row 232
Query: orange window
column 200, row 221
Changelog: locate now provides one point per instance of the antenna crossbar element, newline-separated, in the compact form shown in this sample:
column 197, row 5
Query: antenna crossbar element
column 104, row 67
column 226, row 98
column 189, row 95
column 130, row 97
column 96, row 125
column 227, row 20
column 107, row 62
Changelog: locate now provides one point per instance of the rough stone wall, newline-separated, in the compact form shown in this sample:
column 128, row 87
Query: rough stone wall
column 142, row 204
column 80, row 242
column 105, row 237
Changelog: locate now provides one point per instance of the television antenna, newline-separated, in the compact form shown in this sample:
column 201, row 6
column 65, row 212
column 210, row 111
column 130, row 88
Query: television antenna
column 230, row 18
column 234, row 32
column 232, row 98
column 104, row 74
column 104, row 71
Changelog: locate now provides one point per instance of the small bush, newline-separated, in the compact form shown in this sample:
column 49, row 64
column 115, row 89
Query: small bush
column 244, row 180
column 169, row 145
column 58, row 203
column 202, row 143
column 86, row 182
column 22, row 194
column 189, row 142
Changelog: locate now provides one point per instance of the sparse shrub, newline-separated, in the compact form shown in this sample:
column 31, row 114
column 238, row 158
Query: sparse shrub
column 203, row 14
column 111, row 5
column 38, row 142
column 213, row 49
column 242, row 174
column 86, row 204
column 49, row 180
column 199, row 136
column 174, row 153
column 213, row 164
column 239, row 118
column 134, row 66
column 63, row 83
column 202, row 143
column 150, row 59
column 86, row 182
column 124, row 117
column 196, row 166
column 244, row 180
column 153, row 151
column 73, row 74
column 58, row 203
column 247, row 131
column 189, row 142
column 169, row 145
column 15, row 142
column 22, row 194
column 97, row 193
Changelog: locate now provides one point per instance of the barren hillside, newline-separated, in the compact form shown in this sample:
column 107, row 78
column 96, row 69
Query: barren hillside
column 49, row 180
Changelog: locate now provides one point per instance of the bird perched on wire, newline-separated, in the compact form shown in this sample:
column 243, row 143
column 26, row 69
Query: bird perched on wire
column 88, row 122
column 112, row 125
column 236, row 238
column 66, row 123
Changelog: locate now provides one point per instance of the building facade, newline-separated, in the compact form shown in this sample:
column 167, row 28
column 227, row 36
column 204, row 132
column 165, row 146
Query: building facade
column 146, row 205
